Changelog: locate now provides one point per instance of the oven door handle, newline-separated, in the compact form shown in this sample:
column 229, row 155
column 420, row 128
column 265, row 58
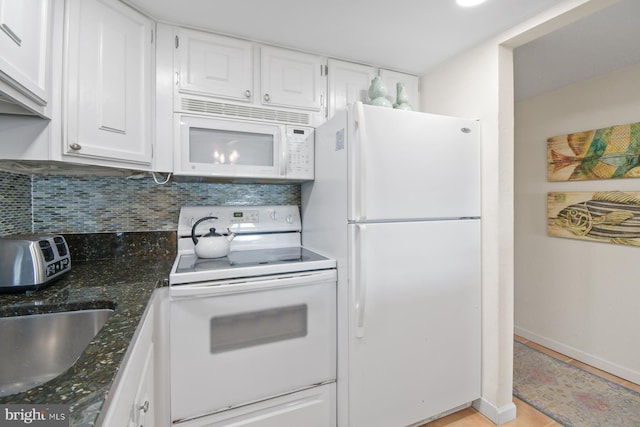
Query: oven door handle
column 240, row 286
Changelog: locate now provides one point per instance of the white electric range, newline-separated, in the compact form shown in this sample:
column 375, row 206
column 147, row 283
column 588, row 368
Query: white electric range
column 253, row 334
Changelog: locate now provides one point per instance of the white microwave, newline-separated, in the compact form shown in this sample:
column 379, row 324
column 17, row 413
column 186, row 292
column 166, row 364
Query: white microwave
column 226, row 148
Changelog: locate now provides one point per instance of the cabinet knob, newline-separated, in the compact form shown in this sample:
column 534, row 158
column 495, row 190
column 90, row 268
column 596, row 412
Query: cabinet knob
column 267, row 98
column 247, row 93
column 75, row 146
column 144, row 407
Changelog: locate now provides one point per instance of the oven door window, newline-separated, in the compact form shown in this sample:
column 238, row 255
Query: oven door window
column 222, row 147
column 244, row 330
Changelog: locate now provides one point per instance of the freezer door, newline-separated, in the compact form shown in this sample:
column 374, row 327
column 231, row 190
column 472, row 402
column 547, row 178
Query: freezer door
column 406, row 165
column 414, row 322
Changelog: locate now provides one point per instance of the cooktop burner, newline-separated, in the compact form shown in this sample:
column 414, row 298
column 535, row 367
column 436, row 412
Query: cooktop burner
column 267, row 242
column 189, row 268
column 237, row 259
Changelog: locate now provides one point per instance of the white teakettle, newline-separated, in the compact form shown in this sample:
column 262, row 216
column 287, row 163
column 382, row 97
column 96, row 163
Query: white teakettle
column 212, row 244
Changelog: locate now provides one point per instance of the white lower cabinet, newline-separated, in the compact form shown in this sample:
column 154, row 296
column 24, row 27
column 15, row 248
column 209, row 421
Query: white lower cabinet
column 141, row 410
column 315, row 407
column 131, row 400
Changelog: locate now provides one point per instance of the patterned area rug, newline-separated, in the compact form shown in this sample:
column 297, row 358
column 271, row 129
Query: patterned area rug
column 571, row 396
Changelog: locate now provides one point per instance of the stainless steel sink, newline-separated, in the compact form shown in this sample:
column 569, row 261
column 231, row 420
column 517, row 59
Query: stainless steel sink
column 39, row 347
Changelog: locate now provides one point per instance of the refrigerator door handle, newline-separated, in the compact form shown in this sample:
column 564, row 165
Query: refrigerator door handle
column 360, row 281
column 361, row 177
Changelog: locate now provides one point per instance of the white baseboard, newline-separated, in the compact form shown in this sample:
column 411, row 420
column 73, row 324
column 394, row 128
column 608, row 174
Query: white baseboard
column 574, row 353
column 497, row 415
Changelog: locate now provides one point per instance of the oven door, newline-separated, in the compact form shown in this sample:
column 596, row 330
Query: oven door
column 242, row 341
column 229, row 148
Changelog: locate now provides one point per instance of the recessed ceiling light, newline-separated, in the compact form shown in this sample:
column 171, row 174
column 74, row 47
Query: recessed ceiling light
column 469, row 3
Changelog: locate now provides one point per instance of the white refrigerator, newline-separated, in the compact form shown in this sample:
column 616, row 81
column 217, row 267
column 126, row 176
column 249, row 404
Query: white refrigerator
column 396, row 201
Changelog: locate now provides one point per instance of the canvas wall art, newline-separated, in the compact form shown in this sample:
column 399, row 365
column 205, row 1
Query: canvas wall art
column 606, row 153
column 611, row 217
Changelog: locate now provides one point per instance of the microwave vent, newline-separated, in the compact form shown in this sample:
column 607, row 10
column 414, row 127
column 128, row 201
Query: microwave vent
column 244, row 111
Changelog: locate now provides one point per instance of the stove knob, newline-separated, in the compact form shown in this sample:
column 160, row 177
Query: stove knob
column 290, row 219
column 274, row 215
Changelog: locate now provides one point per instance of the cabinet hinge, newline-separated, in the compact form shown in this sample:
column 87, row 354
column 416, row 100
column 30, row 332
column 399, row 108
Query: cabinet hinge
column 177, row 42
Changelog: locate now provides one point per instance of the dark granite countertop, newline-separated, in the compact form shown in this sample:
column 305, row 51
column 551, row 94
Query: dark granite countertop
column 122, row 284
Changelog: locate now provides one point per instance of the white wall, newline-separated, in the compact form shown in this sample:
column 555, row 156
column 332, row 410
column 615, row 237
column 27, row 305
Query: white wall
column 578, row 297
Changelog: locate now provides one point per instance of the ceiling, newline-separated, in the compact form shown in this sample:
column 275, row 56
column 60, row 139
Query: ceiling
column 596, row 45
column 404, row 35
column 416, row 35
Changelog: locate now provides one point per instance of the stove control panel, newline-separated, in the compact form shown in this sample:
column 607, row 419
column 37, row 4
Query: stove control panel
column 240, row 219
column 245, row 216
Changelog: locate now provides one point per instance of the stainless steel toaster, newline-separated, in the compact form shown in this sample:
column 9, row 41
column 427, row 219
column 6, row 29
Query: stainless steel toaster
column 31, row 261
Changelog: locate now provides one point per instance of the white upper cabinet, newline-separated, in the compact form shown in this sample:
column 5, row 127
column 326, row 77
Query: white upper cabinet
column 292, row 79
column 24, row 35
column 109, row 85
column 214, row 65
column 236, row 78
column 348, row 83
column 411, row 84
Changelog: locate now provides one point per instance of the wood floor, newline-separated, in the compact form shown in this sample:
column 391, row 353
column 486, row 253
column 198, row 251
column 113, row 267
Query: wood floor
column 527, row 415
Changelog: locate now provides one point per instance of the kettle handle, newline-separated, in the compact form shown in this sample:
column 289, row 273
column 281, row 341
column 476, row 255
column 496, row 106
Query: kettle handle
column 195, row 224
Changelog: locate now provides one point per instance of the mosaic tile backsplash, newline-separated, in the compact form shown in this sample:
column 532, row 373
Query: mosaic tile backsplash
column 109, row 204
column 15, row 204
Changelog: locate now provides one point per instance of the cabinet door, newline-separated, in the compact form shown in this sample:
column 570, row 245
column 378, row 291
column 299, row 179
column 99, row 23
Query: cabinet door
column 348, row 83
column 23, row 44
column 131, row 399
column 411, row 84
column 292, row 79
column 214, row 65
column 142, row 411
column 109, row 83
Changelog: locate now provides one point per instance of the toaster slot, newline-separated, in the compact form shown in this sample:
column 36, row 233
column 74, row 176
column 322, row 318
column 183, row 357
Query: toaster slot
column 60, row 245
column 47, row 250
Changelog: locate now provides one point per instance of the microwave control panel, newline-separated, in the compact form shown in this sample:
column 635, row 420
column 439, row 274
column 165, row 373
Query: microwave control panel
column 300, row 152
